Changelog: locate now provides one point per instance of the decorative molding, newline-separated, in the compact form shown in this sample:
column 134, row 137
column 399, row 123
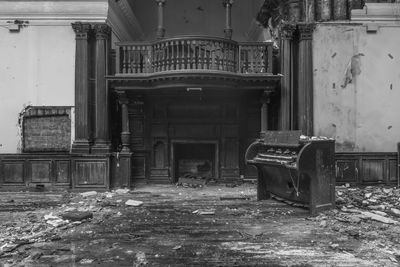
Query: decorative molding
column 377, row 12
column 306, row 30
column 287, row 31
column 124, row 22
column 102, row 30
column 118, row 14
column 81, row 30
column 75, row 10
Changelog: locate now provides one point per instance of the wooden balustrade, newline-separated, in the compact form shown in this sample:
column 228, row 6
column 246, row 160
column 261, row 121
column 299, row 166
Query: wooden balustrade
column 193, row 53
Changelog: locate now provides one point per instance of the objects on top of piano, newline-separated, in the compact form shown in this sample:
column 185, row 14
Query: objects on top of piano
column 295, row 167
column 314, row 138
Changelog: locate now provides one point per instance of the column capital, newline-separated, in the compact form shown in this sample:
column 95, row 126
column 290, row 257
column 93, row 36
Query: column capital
column 122, row 97
column 227, row 2
column 266, row 97
column 161, row 2
column 306, row 30
column 81, row 30
column 287, row 31
column 102, row 30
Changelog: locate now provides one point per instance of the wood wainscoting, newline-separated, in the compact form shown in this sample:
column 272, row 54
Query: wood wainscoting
column 366, row 168
column 56, row 170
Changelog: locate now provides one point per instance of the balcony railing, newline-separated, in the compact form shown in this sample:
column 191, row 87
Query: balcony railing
column 193, row 53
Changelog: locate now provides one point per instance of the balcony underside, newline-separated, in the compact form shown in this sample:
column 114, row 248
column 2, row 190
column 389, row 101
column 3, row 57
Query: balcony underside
column 207, row 79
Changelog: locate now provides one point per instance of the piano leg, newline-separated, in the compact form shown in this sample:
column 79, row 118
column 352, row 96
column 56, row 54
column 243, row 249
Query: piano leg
column 262, row 192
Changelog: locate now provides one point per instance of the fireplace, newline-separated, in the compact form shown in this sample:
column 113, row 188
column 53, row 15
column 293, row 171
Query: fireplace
column 194, row 159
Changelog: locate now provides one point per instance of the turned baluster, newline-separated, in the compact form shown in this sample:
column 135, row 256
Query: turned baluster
column 168, row 44
column 124, row 56
column 158, row 58
column 189, row 54
column 182, row 55
column 155, row 47
column 165, row 55
column 226, row 56
column 148, row 59
column 252, row 59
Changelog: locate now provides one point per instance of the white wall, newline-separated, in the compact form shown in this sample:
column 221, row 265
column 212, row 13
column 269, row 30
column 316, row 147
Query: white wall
column 364, row 115
column 37, row 68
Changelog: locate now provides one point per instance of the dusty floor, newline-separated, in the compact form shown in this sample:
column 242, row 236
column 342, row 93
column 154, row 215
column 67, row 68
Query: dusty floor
column 167, row 231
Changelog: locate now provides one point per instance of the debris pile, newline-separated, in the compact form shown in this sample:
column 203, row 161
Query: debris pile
column 374, row 198
column 49, row 223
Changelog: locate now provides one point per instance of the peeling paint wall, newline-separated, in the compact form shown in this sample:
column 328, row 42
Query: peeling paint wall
column 357, row 86
column 37, row 68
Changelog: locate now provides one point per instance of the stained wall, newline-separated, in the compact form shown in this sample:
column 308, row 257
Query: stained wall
column 37, row 68
column 357, row 86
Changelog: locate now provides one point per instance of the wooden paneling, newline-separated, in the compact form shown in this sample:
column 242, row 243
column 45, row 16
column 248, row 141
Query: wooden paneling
column 90, row 173
column 121, row 169
column 40, row 171
column 138, row 168
column 392, row 170
column 347, row 170
column 63, row 172
column 366, row 168
column 13, row 172
column 373, row 170
column 194, row 131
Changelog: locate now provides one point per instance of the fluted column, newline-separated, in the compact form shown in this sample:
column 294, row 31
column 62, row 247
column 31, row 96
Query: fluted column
column 286, row 108
column 160, row 27
column 81, row 142
column 228, row 18
column 102, row 141
column 305, row 79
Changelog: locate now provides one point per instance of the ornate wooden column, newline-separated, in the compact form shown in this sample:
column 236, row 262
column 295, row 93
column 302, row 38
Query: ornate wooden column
column 122, row 160
column 81, row 142
column 265, row 101
column 286, row 109
column 160, row 28
column 305, row 79
column 125, row 133
column 102, row 141
column 228, row 18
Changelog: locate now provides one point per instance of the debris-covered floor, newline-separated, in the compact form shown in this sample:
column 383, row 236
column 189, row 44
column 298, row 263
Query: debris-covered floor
column 166, row 225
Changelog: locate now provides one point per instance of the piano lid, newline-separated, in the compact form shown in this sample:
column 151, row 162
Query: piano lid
column 282, row 138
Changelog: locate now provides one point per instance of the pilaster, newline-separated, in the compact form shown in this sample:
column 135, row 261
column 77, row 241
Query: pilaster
column 81, row 142
column 305, row 79
column 286, row 108
column 102, row 143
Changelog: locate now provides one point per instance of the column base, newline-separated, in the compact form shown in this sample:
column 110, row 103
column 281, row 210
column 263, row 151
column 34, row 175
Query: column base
column 80, row 147
column 101, row 147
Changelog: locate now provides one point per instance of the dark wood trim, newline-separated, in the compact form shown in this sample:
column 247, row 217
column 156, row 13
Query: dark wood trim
column 102, row 140
column 201, row 79
column 366, row 168
column 305, row 79
column 82, row 131
column 287, row 69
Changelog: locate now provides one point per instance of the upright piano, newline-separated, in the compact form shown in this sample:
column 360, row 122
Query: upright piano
column 295, row 167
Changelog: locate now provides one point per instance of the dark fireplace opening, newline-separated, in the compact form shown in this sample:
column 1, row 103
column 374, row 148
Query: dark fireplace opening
column 194, row 161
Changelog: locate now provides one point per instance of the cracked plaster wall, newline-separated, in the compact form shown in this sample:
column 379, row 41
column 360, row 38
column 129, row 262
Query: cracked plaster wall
column 37, row 68
column 357, row 86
